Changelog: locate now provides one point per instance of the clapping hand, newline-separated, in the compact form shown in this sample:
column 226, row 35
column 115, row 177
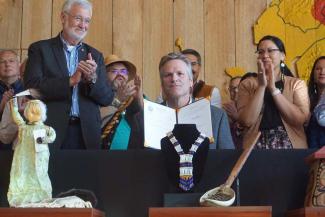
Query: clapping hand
column 261, row 76
column 125, row 89
column 88, row 69
column 265, row 74
column 7, row 95
column 137, row 83
column 231, row 110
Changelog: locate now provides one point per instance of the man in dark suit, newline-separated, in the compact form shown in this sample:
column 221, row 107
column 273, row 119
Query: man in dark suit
column 71, row 78
column 177, row 82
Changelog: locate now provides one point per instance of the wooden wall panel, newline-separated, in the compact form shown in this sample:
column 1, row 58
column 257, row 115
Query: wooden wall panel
column 127, row 31
column 157, row 41
column 36, row 23
column 246, row 14
column 219, row 42
column 56, row 12
column 24, row 54
column 10, row 24
column 189, row 25
column 100, row 31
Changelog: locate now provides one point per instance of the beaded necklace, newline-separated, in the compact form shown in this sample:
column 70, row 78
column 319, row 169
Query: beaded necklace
column 186, row 160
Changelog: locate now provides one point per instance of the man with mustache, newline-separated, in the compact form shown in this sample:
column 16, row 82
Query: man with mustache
column 70, row 76
column 122, row 121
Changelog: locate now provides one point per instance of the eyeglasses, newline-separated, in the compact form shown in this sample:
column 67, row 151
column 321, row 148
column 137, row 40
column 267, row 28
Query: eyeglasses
column 120, row 71
column 231, row 89
column 79, row 19
column 4, row 61
column 270, row 51
column 194, row 63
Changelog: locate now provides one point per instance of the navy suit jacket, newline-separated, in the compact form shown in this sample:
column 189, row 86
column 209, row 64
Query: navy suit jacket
column 315, row 133
column 221, row 129
column 46, row 70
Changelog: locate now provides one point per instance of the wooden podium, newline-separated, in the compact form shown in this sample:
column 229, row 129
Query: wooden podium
column 50, row 212
column 307, row 212
column 315, row 195
column 240, row 211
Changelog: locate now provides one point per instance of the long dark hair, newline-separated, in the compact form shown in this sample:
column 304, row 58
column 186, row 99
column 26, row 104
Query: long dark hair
column 312, row 86
column 284, row 69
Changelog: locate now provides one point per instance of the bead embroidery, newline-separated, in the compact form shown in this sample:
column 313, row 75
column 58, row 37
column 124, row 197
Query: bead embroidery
column 111, row 125
column 185, row 161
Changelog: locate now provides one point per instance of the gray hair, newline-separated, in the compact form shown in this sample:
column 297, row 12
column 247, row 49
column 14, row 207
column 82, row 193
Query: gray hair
column 2, row 51
column 176, row 56
column 83, row 3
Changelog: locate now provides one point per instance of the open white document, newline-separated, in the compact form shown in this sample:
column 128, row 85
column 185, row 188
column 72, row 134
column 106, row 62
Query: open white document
column 24, row 93
column 160, row 119
column 30, row 92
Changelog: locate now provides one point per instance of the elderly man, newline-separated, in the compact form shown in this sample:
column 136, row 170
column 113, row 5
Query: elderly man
column 122, row 122
column 10, row 83
column 71, row 77
column 177, row 81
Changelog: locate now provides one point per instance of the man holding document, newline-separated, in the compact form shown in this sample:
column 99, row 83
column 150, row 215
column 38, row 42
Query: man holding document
column 177, row 84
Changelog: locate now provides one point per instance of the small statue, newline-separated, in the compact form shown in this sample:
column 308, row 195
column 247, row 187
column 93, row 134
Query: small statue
column 29, row 180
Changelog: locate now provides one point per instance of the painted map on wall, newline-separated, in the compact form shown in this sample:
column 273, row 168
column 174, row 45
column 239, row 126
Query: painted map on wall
column 300, row 24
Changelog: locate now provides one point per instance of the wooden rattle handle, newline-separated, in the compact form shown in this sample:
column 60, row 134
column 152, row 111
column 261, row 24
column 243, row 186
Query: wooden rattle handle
column 241, row 161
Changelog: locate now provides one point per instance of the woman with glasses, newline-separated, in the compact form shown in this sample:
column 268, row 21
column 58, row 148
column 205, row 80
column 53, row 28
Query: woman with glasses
column 274, row 102
column 316, row 86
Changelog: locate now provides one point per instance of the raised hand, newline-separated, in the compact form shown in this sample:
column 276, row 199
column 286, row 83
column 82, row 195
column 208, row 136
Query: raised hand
column 75, row 78
column 88, row 69
column 231, row 110
column 125, row 90
column 261, row 74
column 137, row 83
column 269, row 69
column 7, row 95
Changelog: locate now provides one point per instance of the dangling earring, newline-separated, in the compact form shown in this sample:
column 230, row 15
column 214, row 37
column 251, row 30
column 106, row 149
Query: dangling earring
column 282, row 64
column 315, row 88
